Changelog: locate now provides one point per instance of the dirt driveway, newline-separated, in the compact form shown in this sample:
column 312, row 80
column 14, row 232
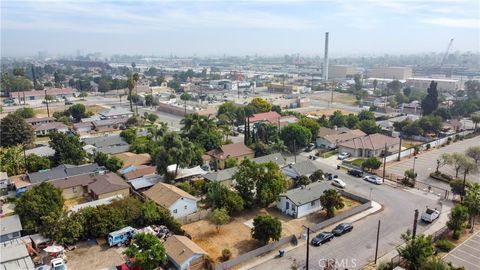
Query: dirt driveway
column 89, row 255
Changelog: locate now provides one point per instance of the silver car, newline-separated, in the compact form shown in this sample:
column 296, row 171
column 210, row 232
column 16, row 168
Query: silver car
column 373, row 179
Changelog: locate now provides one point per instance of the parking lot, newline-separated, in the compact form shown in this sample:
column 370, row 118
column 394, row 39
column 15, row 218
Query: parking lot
column 466, row 254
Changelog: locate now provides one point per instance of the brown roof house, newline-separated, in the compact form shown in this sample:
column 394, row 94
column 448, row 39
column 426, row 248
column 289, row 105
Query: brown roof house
column 238, row 151
column 132, row 159
column 75, row 186
column 47, row 128
column 370, row 146
column 140, row 171
column 184, row 253
column 108, row 185
column 177, row 201
column 329, row 138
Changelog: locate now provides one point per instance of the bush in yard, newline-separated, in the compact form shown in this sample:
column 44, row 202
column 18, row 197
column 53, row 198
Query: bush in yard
column 316, row 176
column 303, row 180
column 371, row 163
column 219, row 217
column 443, row 245
column 457, row 219
column 226, row 254
column 266, row 228
column 331, row 200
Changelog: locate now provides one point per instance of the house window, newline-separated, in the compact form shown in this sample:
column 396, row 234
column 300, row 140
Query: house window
column 174, row 211
column 312, row 203
column 293, row 207
column 185, row 207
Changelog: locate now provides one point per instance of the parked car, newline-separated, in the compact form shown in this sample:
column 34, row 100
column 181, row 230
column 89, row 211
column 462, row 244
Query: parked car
column 310, row 147
column 373, row 179
column 355, row 172
column 58, row 264
column 120, row 237
column 342, row 228
column 343, row 156
column 338, row 183
column 430, row 215
column 322, row 238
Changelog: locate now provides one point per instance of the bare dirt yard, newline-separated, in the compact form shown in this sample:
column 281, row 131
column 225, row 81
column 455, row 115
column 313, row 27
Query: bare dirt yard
column 89, row 255
column 236, row 235
column 337, row 98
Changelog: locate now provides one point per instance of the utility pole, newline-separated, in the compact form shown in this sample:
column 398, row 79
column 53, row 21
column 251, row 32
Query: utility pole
column 399, row 149
column 376, row 247
column 46, row 102
column 295, row 150
column 384, row 162
column 308, row 246
column 414, row 232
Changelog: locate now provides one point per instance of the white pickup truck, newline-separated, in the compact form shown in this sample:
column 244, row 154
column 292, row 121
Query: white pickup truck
column 430, row 215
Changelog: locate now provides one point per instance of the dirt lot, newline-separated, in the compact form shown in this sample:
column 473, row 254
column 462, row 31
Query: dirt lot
column 236, row 236
column 337, row 98
column 328, row 112
column 89, row 255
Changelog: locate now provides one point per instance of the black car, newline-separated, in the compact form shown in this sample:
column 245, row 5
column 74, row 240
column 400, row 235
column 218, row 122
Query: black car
column 322, row 238
column 355, row 172
column 310, row 147
column 342, row 228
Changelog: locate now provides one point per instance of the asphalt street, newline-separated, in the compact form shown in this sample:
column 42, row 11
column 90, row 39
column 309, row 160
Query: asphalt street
column 357, row 248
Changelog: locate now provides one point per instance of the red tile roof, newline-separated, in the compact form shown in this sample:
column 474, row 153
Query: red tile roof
column 231, row 150
column 372, row 142
column 272, row 117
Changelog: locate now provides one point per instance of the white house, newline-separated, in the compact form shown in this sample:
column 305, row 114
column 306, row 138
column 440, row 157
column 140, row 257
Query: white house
column 302, row 201
column 47, row 128
column 184, row 253
column 177, row 201
column 305, row 168
column 115, row 112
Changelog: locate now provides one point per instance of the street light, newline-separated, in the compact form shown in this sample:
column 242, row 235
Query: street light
column 414, row 159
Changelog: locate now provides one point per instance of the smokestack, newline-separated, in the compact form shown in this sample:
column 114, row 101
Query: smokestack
column 325, row 60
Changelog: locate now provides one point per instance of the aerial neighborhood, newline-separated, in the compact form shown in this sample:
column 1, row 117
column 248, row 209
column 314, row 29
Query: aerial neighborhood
column 139, row 162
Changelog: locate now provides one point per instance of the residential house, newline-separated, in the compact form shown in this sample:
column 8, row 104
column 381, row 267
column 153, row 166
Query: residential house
column 140, row 171
column 370, row 146
column 289, row 119
column 83, row 127
column 64, row 171
column 302, row 168
column 115, row 112
column 132, row 159
column 11, row 228
column 42, row 120
column 184, row 254
column 47, row 128
column 14, row 255
column 56, row 93
column 4, row 183
column 237, row 151
column 75, row 186
column 270, row 117
column 113, row 144
column 110, row 124
column 302, row 201
column 185, row 173
column 177, row 201
column 108, row 185
column 329, row 138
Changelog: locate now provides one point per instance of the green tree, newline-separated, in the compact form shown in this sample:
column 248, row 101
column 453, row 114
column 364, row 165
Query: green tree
column 261, row 105
column 473, row 88
column 316, row 176
column 457, row 160
column 219, row 196
column 331, row 200
column 11, row 160
column 245, row 179
column 25, row 112
column 368, row 126
column 430, row 102
column 351, row 121
column 394, row 86
column 77, row 111
column 295, row 136
column 100, row 158
column 185, row 97
column 366, row 115
column 266, row 228
column 270, row 183
column 36, row 163
column 62, row 228
column 475, row 119
column 152, row 117
column 15, row 131
column 303, row 180
column 474, row 153
column 68, row 149
column 312, row 125
column 129, row 134
column 371, row 163
column 457, row 218
column 230, row 162
column 219, row 217
column 338, row 119
column 114, row 164
column 104, row 85
column 147, row 250
column 472, row 202
column 416, row 250
column 37, row 202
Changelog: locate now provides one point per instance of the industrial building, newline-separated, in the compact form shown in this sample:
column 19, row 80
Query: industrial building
column 394, row 73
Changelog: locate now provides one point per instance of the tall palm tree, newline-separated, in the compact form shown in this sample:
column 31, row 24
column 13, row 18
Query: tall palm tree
column 130, row 85
column 135, row 79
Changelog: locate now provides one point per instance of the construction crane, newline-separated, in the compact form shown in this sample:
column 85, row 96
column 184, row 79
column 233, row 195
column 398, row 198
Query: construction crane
column 446, row 53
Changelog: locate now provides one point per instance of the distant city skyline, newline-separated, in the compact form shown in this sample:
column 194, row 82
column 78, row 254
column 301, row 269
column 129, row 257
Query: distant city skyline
column 203, row 28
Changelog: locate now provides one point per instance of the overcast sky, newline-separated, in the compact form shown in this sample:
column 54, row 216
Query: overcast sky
column 357, row 27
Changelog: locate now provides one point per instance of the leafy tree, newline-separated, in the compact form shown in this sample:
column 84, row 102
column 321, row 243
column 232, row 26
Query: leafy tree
column 147, row 250
column 37, row 202
column 228, row 109
column 114, row 164
column 375, row 84
column 152, row 117
column 442, row 161
column 401, row 98
column 219, row 196
column 366, row 115
column 475, row 119
column 394, row 86
column 417, row 250
column 104, row 85
column 36, row 163
column 472, row 202
column 100, row 158
column 68, row 149
column 351, row 121
column 316, row 176
column 457, row 218
column 129, row 134
column 230, row 162
column 295, row 136
column 11, row 160
column 311, row 124
column 430, row 102
column 435, row 263
column 245, row 179
column 261, row 105
column 77, row 111
column 219, row 217
column 368, row 126
column 474, row 153
column 303, row 180
column 444, row 113
column 62, row 228
column 266, row 228
column 371, row 163
column 337, row 119
column 457, row 160
column 456, row 186
column 25, row 112
column 331, row 200
column 15, row 131
column 473, row 88
column 270, row 183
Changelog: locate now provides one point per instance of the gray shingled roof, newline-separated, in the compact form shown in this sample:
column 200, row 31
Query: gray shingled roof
column 221, row 175
column 308, row 193
column 305, row 167
column 63, row 171
column 276, row 158
column 10, row 224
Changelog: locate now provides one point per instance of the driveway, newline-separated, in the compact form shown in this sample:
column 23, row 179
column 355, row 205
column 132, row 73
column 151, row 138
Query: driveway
column 466, row 254
column 427, row 161
column 357, row 248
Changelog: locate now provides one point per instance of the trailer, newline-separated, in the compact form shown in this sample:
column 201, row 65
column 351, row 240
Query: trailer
column 120, row 237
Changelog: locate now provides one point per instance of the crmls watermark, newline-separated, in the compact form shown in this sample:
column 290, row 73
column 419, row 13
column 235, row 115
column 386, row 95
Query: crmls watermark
column 332, row 264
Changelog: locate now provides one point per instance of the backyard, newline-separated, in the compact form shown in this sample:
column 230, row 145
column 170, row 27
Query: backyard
column 89, row 255
column 338, row 98
column 236, row 236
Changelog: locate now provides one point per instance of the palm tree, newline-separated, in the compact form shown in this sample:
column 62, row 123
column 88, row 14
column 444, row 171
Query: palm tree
column 130, row 85
column 135, row 79
column 185, row 97
column 475, row 119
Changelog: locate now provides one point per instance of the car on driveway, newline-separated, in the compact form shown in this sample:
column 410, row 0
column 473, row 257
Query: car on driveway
column 342, row 228
column 430, row 215
column 338, row 183
column 343, row 156
column 373, row 179
column 309, row 147
column 322, row 238
column 355, row 172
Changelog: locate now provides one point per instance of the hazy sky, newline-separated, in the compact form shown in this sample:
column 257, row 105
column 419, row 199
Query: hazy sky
column 239, row 27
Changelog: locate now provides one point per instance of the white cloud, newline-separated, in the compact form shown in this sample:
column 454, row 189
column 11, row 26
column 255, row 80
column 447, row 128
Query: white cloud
column 454, row 22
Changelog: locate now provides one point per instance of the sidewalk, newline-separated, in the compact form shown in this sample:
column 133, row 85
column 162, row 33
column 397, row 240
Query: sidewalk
column 440, row 223
column 274, row 253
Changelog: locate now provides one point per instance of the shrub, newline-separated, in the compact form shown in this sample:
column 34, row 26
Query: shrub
column 428, row 146
column 441, row 176
column 443, row 245
column 226, row 254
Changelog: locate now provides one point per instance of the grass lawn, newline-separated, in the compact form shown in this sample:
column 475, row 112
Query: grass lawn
column 357, row 162
column 329, row 154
